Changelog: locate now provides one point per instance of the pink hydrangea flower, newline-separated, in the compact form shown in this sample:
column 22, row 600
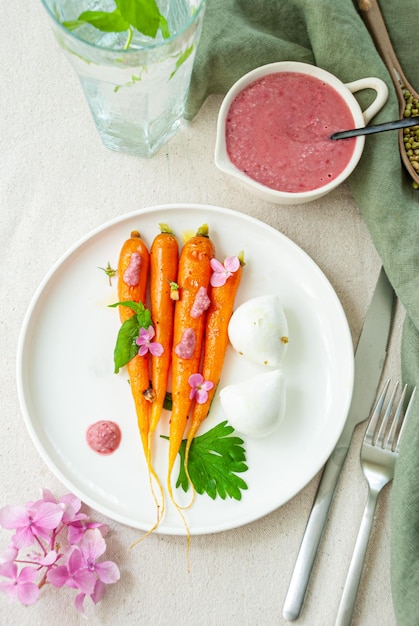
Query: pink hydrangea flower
column 73, row 574
column 21, row 585
column 146, row 343
column 92, row 547
column 35, row 520
column 199, row 388
column 54, row 542
column 82, row 570
column 221, row 272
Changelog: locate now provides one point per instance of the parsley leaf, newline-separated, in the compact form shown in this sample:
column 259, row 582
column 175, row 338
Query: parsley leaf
column 215, row 459
column 126, row 347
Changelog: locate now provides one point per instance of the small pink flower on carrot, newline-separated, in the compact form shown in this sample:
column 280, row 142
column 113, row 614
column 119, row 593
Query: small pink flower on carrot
column 199, row 388
column 221, row 272
column 146, row 343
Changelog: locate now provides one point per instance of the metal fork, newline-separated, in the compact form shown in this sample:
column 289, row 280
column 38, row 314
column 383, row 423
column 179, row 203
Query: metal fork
column 379, row 453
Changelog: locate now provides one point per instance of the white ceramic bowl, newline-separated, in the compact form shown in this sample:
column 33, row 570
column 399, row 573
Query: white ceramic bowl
column 346, row 91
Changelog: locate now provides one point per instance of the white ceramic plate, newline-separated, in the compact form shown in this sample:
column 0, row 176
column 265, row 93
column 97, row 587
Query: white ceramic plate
column 66, row 380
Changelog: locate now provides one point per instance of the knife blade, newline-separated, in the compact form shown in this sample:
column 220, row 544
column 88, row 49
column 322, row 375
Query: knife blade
column 370, row 356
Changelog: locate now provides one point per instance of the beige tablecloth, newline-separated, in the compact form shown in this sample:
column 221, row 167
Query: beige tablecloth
column 57, row 183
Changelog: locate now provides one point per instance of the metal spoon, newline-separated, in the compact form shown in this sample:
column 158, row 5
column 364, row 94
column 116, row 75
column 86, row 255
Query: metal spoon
column 377, row 128
column 374, row 20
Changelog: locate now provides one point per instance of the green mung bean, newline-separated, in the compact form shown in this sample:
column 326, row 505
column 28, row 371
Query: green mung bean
column 411, row 135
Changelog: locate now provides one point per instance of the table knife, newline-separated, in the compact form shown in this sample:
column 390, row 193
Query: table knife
column 369, row 362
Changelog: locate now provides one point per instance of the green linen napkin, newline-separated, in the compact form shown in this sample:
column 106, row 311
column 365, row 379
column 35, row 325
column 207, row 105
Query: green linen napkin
column 239, row 35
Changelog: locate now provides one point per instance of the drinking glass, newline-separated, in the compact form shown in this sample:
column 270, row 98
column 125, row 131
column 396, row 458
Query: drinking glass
column 136, row 95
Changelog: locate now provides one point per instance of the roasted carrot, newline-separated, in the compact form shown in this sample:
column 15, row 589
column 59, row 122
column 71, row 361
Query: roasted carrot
column 215, row 344
column 133, row 266
column 164, row 256
column 193, row 279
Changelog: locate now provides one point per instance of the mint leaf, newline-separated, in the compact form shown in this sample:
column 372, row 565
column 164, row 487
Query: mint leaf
column 126, row 347
column 215, row 459
column 107, row 22
column 164, row 27
column 144, row 15
column 183, row 57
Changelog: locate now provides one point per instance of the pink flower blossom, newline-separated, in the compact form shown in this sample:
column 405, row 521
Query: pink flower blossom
column 144, row 340
column 92, row 547
column 199, row 388
column 48, row 555
column 73, row 574
column 83, row 571
column 20, row 585
column 223, row 271
column 35, row 520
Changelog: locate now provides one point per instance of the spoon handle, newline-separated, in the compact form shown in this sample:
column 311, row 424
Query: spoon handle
column 376, row 128
column 374, row 20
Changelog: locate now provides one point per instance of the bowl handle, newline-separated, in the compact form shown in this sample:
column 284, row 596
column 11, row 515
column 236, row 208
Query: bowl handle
column 378, row 86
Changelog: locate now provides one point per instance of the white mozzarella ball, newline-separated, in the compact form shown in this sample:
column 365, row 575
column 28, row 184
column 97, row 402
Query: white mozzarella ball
column 256, row 406
column 258, row 330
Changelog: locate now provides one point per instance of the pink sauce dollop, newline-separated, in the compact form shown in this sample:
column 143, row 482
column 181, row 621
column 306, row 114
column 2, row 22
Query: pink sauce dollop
column 132, row 273
column 186, row 347
column 104, row 437
column 278, row 132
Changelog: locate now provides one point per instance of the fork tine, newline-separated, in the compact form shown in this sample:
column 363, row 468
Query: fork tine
column 398, row 416
column 406, row 414
column 369, row 435
column 381, row 433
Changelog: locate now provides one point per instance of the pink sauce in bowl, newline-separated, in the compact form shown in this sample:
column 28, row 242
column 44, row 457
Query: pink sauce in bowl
column 278, row 128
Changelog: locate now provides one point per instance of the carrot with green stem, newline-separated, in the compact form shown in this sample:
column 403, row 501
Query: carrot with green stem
column 189, row 323
column 133, row 266
column 134, row 338
column 224, row 283
column 164, row 257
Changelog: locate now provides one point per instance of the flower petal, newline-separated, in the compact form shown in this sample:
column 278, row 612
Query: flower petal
column 8, row 555
column 58, row 576
column 216, row 266
column 218, row 279
column 46, row 515
column 98, row 591
column 8, row 588
column 78, row 601
column 27, row 593
column 195, row 379
column 207, row 385
column 84, row 580
column 92, row 545
column 232, row 263
column 23, row 537
column 27, row 575
column 12, row 517
column 201, row 396
column 9, row 570
column 156, row 348
column 107, row 572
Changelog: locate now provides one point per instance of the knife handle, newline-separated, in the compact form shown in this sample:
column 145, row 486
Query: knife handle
column 313, row 534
